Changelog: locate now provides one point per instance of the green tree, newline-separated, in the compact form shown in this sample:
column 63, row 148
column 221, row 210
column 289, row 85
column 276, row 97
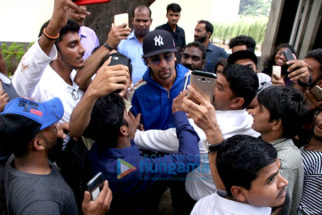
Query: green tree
column 255, row 7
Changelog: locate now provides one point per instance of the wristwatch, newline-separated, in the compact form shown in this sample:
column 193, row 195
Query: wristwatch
column 108, row 46
column 211, row 148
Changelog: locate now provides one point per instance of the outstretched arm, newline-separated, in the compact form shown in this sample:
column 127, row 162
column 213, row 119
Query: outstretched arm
column 91, row 65
column 107, row 80
column 38, row 57
column 204, row 117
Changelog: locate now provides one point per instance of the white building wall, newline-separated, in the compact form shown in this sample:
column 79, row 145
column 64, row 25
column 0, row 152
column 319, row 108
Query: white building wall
column 20, row 20
column 195, row 10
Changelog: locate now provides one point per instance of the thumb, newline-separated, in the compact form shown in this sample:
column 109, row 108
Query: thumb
column 87, row 198
column 138, row 117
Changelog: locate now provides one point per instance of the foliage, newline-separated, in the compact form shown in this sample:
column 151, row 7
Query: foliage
column 255, row 7
column 12, row 54
column 248, row 25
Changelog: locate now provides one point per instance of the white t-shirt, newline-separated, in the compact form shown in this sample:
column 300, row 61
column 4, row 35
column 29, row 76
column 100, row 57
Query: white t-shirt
column 214, row 204
column 35, row 79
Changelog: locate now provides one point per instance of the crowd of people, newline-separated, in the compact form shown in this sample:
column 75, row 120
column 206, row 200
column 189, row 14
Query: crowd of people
column 73, row 109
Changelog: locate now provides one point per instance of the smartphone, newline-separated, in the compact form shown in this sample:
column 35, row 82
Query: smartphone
column 317, row 92
column 186, row 80
column 277, row 71
column 95, row 185
column 85, row 2
column 204, row 82
column 120, row 19
column 288, row 55
column 116, row 59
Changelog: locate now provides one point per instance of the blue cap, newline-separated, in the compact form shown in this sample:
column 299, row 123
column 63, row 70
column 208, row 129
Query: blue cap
column 46, row 113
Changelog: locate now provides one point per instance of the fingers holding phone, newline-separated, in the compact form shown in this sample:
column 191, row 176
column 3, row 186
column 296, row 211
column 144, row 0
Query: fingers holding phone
column 204, row 82
column 199, row 108
column 99, row 206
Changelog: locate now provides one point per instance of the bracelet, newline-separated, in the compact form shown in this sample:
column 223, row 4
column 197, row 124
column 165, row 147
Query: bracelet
column 108, row 46
column 49, row 36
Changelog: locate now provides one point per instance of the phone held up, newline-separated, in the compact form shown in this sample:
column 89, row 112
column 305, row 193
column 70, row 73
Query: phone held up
column 121, row 19
column 204, row 82
column 118, row 58
column 317, row 92
column 95, row 185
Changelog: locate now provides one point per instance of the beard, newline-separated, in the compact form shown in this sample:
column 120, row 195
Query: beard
column 200, row 39
column 141, row 32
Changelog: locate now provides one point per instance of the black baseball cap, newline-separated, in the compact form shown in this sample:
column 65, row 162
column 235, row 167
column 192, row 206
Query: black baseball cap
column 157, row 42
column 243, row 54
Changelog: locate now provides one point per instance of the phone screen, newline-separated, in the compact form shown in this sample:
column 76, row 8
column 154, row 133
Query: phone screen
column 95, row 185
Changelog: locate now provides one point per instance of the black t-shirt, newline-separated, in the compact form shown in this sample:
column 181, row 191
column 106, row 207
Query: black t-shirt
column 178, row 36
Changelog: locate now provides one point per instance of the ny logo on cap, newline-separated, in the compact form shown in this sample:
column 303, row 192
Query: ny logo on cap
column 158, row 41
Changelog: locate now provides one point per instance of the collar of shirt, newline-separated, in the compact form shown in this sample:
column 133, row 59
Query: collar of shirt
column 228, row 206
column 82, row 32
column 5, row 79
column 281, row 141
column 177, row 28
column 133, row 150
column 210, row 47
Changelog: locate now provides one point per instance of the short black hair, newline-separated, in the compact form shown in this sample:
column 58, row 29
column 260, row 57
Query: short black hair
column 18, row 135
column 174, row 7
column 316, row 54
column 71, row 26
column 106, row 120
column 209, row 26
column 243, row 82
column 287, row 104
column 141, row 7
column 240, row 158
column 198, row 45
column 243, row 40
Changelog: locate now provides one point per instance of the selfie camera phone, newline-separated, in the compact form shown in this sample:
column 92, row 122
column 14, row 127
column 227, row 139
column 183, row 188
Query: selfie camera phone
column 86, row 2
column 204, row 82
column 121, row 19
column 95, row 185
column 288, row 55
column 317, row 92
column 116, row 59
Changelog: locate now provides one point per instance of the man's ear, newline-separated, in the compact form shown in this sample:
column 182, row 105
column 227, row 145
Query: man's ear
column 239, row 193
column 277, row 124
column 37, row 144
column 237, row 103
column 209, row 34
column 124, row 130
column 147, row 62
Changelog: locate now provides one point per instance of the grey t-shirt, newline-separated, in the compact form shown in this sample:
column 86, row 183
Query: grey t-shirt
column 38, row 194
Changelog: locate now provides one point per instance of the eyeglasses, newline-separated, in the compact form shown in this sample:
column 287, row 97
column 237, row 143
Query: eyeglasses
column 156, row 60
column 279, row 53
